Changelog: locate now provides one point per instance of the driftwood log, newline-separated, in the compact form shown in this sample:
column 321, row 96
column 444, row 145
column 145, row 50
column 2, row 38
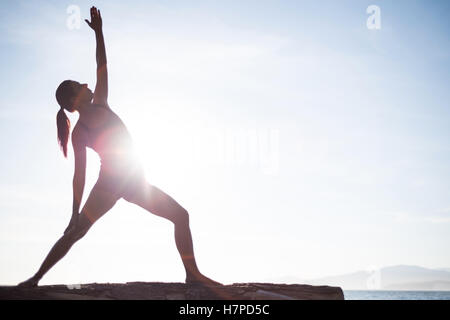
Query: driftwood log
column 172, row 291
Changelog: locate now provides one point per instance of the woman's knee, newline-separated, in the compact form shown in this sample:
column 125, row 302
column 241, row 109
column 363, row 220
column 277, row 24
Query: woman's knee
column 80, row 230
column 77, row 233
column 181, row 217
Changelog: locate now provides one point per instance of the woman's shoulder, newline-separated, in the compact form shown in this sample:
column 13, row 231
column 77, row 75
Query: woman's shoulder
column 80, row 133
column 80, row 126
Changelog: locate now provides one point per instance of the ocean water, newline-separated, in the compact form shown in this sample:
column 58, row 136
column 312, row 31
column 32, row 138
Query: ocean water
column 395, row 295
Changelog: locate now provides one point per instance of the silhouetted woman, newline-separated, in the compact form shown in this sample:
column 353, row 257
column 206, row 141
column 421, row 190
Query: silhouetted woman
column 100, row 129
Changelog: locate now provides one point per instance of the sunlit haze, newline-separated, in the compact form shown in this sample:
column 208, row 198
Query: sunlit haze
column 302, row 142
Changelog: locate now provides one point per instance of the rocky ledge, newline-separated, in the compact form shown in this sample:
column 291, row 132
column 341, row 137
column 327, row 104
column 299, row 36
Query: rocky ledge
column 172, row 291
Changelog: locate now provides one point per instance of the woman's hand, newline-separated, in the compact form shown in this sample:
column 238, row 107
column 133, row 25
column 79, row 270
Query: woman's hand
column 96, row 20
column 72, row 224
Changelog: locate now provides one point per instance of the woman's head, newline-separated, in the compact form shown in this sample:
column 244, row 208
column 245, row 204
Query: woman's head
column 70, row 96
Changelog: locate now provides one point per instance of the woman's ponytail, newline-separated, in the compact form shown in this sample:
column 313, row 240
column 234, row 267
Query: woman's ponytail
column 63, row 126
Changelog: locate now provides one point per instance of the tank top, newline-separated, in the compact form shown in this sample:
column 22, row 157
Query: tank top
column 111, row 140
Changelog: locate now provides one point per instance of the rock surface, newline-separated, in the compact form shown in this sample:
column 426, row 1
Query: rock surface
column 173, row 291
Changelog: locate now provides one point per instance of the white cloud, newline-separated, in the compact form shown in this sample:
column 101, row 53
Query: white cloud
column 408, row 217
column 15, row 197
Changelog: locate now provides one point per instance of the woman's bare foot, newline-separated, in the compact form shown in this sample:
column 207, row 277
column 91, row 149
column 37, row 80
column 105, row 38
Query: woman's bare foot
column 30, row 283
column 201, row 279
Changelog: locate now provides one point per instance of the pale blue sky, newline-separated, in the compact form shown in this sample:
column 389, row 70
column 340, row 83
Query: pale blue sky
column 359, row 169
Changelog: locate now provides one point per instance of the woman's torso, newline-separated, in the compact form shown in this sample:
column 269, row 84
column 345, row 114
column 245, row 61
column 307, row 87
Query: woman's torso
column 108, row 136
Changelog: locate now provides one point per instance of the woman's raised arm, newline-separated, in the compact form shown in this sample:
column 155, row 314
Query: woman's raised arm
column 101, row 88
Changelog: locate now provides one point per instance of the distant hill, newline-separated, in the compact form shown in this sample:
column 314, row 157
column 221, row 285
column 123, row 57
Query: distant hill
column 421, row 286
column 400, row 277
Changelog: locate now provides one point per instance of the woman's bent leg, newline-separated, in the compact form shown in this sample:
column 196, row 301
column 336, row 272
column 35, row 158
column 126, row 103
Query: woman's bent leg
column 161, row 204
column 97, row 204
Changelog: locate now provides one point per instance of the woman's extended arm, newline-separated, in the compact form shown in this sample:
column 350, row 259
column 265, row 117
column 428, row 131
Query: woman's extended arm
column 79, row 177
column 101, row 88
column 79, row 148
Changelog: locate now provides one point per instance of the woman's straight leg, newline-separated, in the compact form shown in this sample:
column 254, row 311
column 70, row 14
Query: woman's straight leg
column 98, row 203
